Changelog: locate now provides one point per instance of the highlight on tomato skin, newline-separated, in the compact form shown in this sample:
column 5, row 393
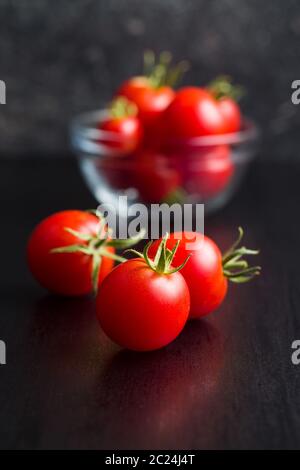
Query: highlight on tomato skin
column 149, row 311
column 231, row 113
column 127, row 134
column 150, row 101
column 122, row 129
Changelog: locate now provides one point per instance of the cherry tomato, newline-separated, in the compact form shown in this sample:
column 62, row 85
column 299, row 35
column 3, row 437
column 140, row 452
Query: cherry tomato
column 207, row 272
column 151, row 103
column 207, row 171
column 127, row 132
column 152, row 94
column 123, row 130
column 203, row 272
column 70, row 273
column 231, row 114
column 146, row 171
column 131, row 87
column 151, row 306
column 154, row 179
column 227, row 94
column 196, row 112
column 150, row 100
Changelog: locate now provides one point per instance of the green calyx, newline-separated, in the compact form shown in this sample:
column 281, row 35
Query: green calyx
column 162, row 262
column 235, row 268
column 175, row 196
column 121, row 108
column 97, row 246
column 223, row 87
column 160, row 71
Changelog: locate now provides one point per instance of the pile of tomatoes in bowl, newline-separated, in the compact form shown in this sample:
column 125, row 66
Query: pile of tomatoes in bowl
column 157, row 144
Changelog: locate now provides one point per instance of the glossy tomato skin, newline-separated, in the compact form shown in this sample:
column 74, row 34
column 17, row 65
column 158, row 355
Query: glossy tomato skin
column 151, row 103
column 66, row 274
column 128, row 132
column 149, row 310
column 203, row 272
column 231, row 113
column 194, row 112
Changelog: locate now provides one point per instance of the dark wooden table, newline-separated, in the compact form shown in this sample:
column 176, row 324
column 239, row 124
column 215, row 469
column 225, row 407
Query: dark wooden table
column 226, row 382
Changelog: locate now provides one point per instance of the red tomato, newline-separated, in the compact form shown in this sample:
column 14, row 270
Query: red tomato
column 207, row 272
column 196, row 112
column 151, row 102
column 146, row 171
column 123, row 130
column 231, row 114
column 150, row 309
column 227, row 94
column 154, row 179
column 153, row 92
column 130, row 88
column 208, row 171
column 65, row 273
column 126, row 133
column 203, row 272
column 153, row 311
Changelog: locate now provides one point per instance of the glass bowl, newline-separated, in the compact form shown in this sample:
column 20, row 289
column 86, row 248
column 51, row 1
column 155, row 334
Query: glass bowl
column 204, row 169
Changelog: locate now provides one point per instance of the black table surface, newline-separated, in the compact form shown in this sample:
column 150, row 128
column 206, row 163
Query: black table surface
column 226, row 383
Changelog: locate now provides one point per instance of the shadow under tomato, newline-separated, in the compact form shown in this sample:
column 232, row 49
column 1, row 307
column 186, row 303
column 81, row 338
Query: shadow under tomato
column 78, row 379
column 151, row 398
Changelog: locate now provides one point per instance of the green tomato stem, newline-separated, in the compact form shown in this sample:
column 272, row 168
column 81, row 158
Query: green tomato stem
column 235, row 268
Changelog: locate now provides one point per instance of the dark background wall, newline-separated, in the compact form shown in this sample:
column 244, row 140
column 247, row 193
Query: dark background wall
column 60, row 58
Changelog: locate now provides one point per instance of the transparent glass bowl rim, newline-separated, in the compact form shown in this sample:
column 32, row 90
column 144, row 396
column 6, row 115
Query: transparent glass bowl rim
column 86, row 137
